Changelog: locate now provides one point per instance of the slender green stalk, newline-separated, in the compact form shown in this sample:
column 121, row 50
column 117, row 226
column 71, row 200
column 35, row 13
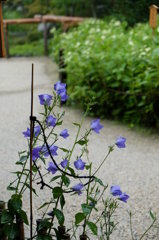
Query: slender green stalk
column 102, row 162
column 148, row 229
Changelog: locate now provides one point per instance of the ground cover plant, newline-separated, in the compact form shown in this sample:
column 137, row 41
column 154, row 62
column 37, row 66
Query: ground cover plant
column 114, row 65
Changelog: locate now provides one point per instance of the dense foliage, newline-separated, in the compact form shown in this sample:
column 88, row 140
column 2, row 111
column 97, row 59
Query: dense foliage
column 117, row 68
column 131, row 11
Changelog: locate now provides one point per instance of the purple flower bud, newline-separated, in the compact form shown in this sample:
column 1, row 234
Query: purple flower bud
column 64, row 133
column 51, row 121
column 53, row 150
column 120, row 142
column 77, row 188
column 64, row 163
column 79, row 164
column 96, row 126
column 115, row 190
column 124, row 197
column 52, row 168
column 45, row 99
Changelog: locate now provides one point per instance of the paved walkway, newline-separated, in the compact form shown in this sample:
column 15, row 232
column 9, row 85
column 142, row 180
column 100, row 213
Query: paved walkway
column 135, row 169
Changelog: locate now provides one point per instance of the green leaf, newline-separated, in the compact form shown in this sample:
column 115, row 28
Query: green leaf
column 99, row 181
column 59, row 215
column 79, row 217
column 76, row 124
column 86, row 208
column 44, row 224
column 43, row 205
column 6, row 217
column 152, row 215
column 87, row 166
column 64, row 149
column 15, row 203
column 23, row 216
column 92, row 226
column 9, row 188
column 57, row 192
column 59, row 123
column 71, row 171
column 66, row 180
column 82, row 142
column 54, row 178
column 11, row 231
column 62, row 201
column 23, row 158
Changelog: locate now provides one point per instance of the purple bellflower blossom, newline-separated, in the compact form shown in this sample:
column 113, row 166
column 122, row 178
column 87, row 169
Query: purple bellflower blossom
column 64, row 133
column 37, row 131
column 53, row 150
column 64, row 163
column 63, row 96
column 60, row 89
column 51, row 121
column 27, row 133
column 45, row 99
column 79, row 164
column 120, row 142
column 77, row 188
column 115, row 190
column 124, row 197
column 36, row 153
column 52, row 168
column 96, row 126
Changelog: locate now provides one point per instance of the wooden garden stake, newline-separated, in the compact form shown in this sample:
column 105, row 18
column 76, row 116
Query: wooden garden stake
column 153, row 17
column 31, row 148
column 20, row 225
column 2, row 47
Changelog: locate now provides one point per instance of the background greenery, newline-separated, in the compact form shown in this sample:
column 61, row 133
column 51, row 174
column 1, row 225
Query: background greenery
column 132, row 11
column 116, row 67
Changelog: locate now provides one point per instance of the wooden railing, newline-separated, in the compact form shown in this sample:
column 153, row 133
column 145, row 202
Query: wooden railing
column 65, row 21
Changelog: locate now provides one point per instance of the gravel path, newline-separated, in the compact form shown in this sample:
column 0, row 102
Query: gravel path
column 135, row 169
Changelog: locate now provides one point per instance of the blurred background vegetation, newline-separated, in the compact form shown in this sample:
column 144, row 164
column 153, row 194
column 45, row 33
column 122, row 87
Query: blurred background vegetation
column 112, row 59
column 132, row 11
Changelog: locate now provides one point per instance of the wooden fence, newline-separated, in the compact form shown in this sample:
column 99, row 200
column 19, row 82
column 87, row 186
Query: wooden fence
column 66, row 23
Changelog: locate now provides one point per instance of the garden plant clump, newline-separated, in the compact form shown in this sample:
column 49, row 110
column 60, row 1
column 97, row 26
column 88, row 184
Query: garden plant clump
column 66, row 172
column 115, row 65
column 69, row 171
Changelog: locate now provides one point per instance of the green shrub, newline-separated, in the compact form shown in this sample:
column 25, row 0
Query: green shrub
column 118, row 68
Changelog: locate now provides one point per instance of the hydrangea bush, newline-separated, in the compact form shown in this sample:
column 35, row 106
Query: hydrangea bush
column 69, row 172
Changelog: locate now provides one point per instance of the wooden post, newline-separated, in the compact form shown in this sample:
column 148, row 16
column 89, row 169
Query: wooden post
column 6, row 39
column 45, row 39
column 20, row 225
column 2, row 48
column 153, row 17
